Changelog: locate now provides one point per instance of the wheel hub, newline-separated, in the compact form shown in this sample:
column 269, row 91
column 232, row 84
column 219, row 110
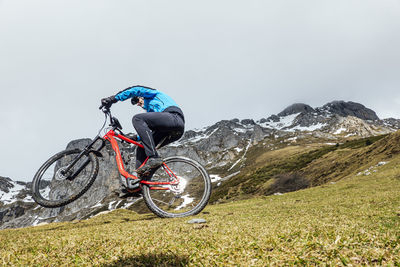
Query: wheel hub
column 60, row 174
column 180, row 187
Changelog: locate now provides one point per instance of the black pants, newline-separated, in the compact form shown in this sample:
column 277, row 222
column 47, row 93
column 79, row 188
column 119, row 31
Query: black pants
column 153, row 127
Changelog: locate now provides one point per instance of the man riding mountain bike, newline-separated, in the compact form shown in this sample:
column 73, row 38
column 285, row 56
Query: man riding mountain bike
column 163, row 124
column 179, row 187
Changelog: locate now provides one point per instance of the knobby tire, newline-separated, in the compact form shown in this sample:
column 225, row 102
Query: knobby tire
column 206, row 192
column 88, row 179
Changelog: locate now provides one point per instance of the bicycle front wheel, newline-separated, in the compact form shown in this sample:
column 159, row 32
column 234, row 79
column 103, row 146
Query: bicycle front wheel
column 53, row 187
column 186, row 198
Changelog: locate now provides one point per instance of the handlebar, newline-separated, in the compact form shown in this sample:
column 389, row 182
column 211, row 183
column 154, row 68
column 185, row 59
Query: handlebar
column 113, row 121
column 105, row 110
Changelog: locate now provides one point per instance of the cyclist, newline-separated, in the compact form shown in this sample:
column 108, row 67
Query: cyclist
column 164, row 122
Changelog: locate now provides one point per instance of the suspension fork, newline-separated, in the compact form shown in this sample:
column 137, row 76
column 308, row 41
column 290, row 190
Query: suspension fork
column 88, row 149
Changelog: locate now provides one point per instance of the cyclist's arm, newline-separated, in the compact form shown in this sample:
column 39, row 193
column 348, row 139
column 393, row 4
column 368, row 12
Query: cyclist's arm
column 138, row 91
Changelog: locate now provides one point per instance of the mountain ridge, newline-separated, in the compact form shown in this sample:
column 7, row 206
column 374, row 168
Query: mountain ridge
column 338, row 107
column 223, row 148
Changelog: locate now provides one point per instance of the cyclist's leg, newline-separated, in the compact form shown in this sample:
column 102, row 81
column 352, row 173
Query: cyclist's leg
column 144, row 126
column 158, row 137
column 153, row 128
column 140, row 157
column 147, row 125
column 164, row 137
column 169, row 137
column 171, row 132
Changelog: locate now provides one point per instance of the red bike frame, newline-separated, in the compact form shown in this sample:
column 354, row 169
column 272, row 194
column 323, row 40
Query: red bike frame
column 110, row 136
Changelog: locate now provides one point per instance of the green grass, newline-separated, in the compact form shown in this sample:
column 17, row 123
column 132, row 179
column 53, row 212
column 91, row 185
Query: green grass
column 354, row 221
column 316, row 163
column 362, row 142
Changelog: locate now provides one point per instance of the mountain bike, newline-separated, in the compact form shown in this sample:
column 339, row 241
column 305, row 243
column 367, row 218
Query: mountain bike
column 179, row 187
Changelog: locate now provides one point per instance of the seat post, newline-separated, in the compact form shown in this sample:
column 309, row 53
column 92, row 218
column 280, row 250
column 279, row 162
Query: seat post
column 162, row 142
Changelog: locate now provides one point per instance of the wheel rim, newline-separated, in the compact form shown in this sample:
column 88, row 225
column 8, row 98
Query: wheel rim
column 184, row 197
column 55, row 187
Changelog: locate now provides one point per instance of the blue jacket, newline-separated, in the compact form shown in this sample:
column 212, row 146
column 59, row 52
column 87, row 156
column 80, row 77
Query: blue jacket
column 154, row 100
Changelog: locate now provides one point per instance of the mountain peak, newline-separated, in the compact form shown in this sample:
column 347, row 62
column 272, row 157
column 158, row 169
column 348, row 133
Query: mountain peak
column 296, row 108
column 339, row 107
column 350, row 108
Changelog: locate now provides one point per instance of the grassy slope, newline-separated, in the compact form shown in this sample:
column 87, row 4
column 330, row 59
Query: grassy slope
column 315, row 164
column 355, row 220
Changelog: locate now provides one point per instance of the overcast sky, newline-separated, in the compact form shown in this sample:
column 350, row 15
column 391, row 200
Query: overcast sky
column 219, row 60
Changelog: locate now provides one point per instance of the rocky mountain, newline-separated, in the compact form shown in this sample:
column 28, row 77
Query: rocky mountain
column 225, row 141
column 222, row 148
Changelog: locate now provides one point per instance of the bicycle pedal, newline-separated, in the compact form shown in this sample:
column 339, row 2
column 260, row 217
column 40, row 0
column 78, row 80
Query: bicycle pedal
column 132, row 183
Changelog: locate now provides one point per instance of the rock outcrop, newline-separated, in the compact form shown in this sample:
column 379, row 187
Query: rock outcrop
column 102, row 196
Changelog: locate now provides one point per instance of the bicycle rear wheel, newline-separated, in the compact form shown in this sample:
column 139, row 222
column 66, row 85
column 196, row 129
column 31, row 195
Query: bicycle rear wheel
column 188, row 197
column 52, row 187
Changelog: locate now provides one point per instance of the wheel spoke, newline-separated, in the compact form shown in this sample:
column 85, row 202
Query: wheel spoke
column 187, row 197
column 160, row 201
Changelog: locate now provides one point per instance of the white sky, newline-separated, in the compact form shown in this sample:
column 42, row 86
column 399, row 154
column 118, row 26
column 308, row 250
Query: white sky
column 218, row 59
